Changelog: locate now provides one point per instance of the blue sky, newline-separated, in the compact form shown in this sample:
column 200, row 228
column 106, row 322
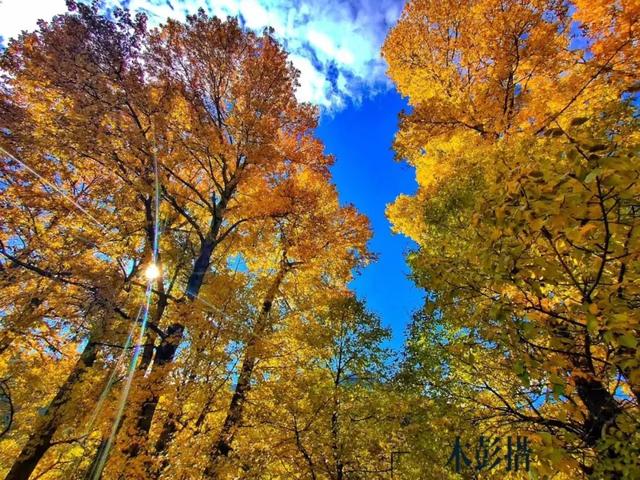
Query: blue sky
column 336, row 46
column 367, row 175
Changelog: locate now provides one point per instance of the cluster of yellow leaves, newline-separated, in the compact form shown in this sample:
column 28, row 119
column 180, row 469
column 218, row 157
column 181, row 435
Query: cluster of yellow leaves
column 525, row 141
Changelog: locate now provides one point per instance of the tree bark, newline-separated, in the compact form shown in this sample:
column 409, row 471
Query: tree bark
column 601, row 406
column 164, row 355
column 201, row 265
column 335, row 419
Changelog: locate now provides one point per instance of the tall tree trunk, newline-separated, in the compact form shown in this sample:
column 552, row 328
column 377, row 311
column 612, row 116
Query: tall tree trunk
column 602, row 407
column 200, row 267
column 40, row 441
column 235, row 411
column 164, row 354
column 335, row 443
column 202, row 262
column 304, row 452
column 335, row 420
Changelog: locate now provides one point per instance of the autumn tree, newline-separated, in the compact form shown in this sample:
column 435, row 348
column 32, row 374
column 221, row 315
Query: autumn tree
column 170, row 146
column 523, row 133
column 236, row 124
column 319, row 244
column 324, row 398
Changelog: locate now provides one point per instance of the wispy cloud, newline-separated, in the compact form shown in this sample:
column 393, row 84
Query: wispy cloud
column 334, row 43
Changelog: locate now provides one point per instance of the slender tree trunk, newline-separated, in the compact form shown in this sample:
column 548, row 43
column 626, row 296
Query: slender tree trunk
column 304, row 452
column 335, row 421
column 235, row 411
column 40, row 441
column 164, row 354
column 335, row 443
column 201, row 265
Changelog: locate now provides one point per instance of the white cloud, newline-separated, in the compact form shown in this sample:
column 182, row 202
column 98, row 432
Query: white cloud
column 19, row 15
column 334, row 43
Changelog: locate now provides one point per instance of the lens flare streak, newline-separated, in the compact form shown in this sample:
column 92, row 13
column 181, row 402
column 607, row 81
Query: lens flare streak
column 61, row 192
column 156, row 276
